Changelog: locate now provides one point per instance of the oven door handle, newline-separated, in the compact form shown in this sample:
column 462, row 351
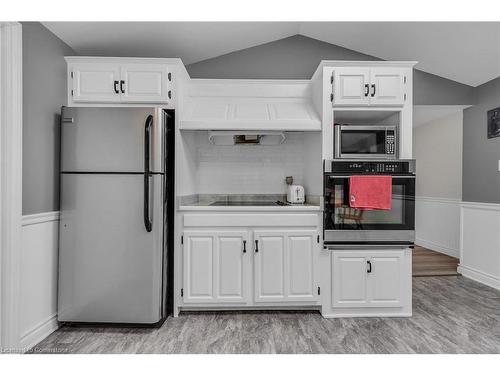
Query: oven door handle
column 393, row 176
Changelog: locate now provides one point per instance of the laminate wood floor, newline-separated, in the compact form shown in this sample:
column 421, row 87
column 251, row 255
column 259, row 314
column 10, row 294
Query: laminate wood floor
column 450, row 315
column 431, row 263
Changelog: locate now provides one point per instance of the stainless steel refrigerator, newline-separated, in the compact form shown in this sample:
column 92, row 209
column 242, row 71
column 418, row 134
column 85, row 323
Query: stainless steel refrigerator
column 116, row 201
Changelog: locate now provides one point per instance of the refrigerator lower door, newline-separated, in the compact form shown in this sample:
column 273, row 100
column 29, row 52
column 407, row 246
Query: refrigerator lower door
column 110, row 267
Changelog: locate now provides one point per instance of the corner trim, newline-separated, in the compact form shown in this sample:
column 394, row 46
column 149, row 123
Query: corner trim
column 479, row 276
column 43, row 217
column 11, row 146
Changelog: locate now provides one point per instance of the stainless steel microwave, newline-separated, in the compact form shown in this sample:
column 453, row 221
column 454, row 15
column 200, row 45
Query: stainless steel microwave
column 366, row 142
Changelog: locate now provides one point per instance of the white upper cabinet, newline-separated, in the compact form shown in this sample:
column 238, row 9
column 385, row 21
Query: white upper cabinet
column 387, row 86
column 377, row 86
column 96, row 83
column 117, row 80
column 351, row 86
column 144, row 83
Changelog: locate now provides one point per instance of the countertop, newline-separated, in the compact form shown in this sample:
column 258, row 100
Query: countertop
column 250, row 202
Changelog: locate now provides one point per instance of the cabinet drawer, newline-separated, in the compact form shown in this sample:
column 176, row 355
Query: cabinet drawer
column 251, row 220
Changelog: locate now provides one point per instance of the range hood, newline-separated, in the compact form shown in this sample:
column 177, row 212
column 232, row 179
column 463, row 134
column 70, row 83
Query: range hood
column 246, row 137
column 275, row 105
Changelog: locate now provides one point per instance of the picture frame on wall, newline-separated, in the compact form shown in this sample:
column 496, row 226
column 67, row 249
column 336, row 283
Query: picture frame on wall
column 493, row 123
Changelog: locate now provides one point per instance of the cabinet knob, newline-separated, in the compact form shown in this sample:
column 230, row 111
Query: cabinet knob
column 244, row 246
column 256, row 246
column 369, row 264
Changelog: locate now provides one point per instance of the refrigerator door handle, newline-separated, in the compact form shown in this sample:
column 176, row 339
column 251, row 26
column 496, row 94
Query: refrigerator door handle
column 147, row 172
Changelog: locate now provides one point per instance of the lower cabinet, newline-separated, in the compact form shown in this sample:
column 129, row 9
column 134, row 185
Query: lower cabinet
column 217, row 266
column 369, row 278
column 284, row 266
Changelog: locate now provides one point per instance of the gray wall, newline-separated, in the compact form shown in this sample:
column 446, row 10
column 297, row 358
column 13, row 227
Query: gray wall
column 481, row 178
column 44, row 91
column 437, row 147
column 297, row 57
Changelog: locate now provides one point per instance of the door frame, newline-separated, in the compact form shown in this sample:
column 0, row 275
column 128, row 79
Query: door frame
column 11, row 111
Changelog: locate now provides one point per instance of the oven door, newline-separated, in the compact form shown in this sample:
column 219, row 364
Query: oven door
column 365, row 142
column 344, row 224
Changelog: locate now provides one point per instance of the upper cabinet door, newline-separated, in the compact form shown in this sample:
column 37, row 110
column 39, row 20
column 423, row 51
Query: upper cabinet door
column 351, row 87
column 96, row 83
column 387, row 86
column 144, row 83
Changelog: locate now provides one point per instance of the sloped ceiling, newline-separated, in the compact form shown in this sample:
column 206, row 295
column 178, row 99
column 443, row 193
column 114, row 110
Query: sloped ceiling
column 465, row 52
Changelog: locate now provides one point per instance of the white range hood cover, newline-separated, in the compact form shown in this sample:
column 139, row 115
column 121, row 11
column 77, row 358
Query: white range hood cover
column 249, row 105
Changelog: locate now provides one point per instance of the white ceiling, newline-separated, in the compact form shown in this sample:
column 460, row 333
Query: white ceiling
column 465, row 52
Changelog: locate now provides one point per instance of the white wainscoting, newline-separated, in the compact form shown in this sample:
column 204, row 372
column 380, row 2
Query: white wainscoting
column 38, row 300
column 437, row 224
column 480, row 242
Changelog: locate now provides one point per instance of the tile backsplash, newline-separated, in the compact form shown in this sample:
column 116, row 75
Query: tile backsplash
column 249, row 169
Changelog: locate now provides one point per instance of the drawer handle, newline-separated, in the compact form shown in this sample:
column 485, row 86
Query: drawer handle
column 116, row 89
column 122, row 82
column 369, row 270
column 256, row 246
column 367, row 89
column 244, row 246
column 373, row 92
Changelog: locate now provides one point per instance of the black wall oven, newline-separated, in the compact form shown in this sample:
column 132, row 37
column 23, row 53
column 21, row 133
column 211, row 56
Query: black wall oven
column 344, row 224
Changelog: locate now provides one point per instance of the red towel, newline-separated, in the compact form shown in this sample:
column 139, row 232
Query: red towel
column 370, row 192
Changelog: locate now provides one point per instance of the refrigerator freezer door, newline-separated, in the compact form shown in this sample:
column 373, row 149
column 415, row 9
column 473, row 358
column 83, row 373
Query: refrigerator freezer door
column 109, row 139
column 110, row 267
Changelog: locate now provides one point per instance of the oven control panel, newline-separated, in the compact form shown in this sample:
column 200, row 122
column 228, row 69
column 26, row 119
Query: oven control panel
column 371, row 167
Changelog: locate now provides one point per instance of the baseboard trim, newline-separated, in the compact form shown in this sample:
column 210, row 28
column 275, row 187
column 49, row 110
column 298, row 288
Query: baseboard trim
column 38, row 333
column 42, row 217
column 479, row 276
column 455, row 253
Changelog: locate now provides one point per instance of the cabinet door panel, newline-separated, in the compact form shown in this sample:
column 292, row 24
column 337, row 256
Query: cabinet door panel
column 144, row 83
column 349, row 287
column 95, row 83
column 270, row 266
column 300, row 251
column 387, row 86
column 231, row 268
column 349, row 86
column 198, row 267
column 385, row 280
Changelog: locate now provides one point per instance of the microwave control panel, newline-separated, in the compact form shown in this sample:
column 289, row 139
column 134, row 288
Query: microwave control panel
column 390, row 139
